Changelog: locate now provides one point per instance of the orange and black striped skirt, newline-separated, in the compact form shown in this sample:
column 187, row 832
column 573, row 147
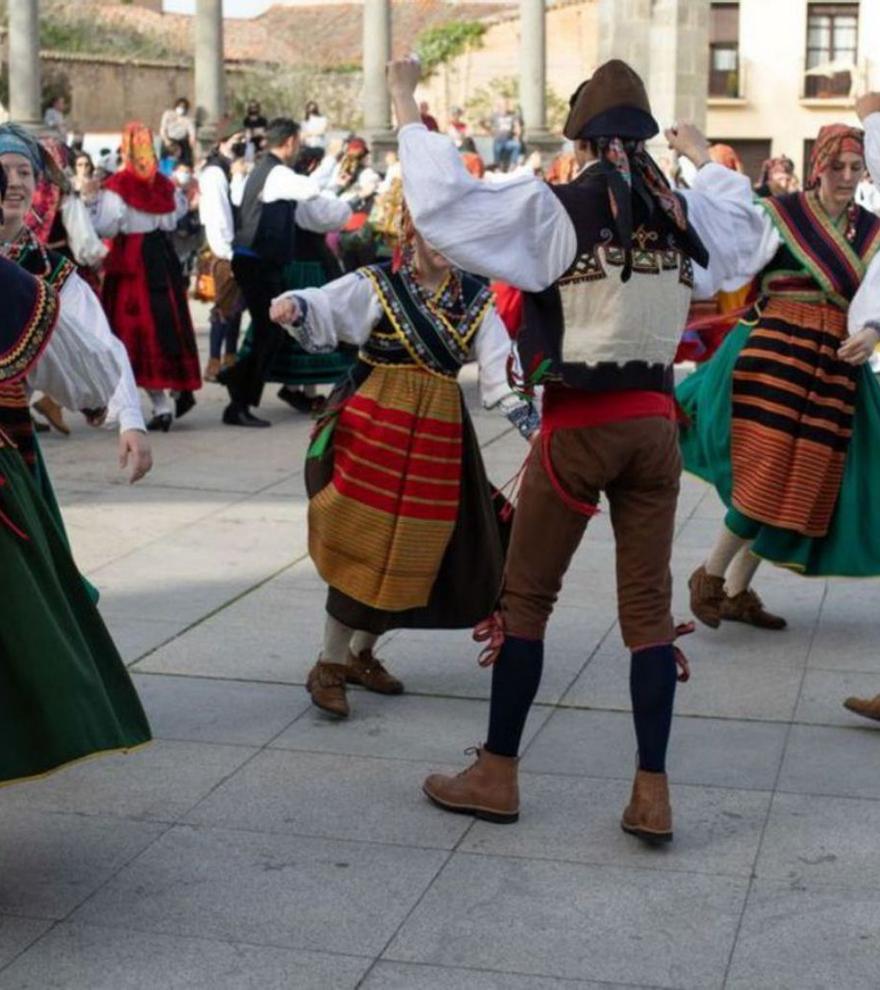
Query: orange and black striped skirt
column 793, row 402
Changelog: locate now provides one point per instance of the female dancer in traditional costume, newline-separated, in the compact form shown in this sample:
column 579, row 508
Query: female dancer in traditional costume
column 404, row 530
column 64, row 690
column 144, row 287
column 24, row 165
column 785, row 417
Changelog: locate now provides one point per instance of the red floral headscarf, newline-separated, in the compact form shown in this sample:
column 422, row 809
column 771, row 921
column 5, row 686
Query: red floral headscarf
column 138, row 152
column 834, row 140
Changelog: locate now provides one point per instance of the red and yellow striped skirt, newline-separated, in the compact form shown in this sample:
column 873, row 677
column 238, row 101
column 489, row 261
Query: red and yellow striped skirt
column 793, row 402
column 379, row 530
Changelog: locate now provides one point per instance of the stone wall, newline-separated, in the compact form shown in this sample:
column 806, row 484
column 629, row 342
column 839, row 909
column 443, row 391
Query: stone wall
column 572, row 54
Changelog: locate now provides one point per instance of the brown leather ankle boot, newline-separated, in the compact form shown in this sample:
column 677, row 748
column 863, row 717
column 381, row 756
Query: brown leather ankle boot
column 326, row 685
column 488, row 789
column 707, row 596
column 368, row 671
column 649, row 814
column 747, row 607
column 866, row 707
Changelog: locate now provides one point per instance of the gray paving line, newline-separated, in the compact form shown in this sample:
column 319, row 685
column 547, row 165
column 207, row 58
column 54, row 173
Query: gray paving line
column 760, row 845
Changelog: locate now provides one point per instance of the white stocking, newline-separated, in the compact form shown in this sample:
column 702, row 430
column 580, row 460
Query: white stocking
column 336, row 639
column 362, row 641
column 161, row 401
column 726, row 548
column 741, row 571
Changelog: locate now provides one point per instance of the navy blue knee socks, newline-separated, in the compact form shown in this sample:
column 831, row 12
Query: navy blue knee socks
column 515, row 679
column 652, row 676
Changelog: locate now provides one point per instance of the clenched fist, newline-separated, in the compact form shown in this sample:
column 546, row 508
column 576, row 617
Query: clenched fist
column 403, row 76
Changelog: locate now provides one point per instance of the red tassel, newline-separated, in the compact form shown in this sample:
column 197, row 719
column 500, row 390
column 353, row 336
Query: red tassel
column 491, row 632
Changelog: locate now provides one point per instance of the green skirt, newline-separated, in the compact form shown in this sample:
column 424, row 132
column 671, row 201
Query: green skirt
column 851, row 547
column 65, row 693
column 44, row 486
column 291, row 364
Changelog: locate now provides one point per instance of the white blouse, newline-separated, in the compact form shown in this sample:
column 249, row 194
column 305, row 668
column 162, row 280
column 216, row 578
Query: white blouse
column 111, row 215
column 347, row 310
column 78, row 368
column 519, row 232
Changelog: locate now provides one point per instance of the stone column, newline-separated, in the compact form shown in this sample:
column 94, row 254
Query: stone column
column 209, row 69
column 24, row 62
column 533, row 77
column 377, row 52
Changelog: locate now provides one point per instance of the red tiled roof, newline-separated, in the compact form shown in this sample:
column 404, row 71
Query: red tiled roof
column 320, row 36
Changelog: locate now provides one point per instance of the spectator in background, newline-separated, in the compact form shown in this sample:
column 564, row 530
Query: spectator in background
column 314, row 127
column 54, row 118
column 254, row 125
column 507, row 132
column 777, row 178
column 172, row 156
column 457, row 128
column 429, row 121
column 471, row 158
column 83, row 172
column 177, row 126
column 868, row 195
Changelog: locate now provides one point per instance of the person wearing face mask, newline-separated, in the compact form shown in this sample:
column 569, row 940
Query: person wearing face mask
column 144, row 288
column 277, row 201
column 178, row 126
column 188, row 233
column 785, row 418
column 216, row 213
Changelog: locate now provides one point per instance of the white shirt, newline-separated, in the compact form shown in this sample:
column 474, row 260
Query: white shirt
column 347, row 309
column 111, row 215
column 315, row 211
column 519, row 232
column 215, row 211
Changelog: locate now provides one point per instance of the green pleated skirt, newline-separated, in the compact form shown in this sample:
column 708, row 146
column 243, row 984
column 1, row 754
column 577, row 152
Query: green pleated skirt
column 851, row 547
column 65, row 693
column 292, row 365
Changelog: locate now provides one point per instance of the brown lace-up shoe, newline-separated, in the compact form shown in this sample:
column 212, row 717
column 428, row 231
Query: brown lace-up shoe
column 866, row 707
column 326, row 685
column 488, row 789
column 366, row 670
column 748, row 607
column 707, row 595
column 649, row 814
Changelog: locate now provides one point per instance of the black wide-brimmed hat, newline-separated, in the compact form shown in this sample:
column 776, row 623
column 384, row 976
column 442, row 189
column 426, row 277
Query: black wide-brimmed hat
column 612, row 103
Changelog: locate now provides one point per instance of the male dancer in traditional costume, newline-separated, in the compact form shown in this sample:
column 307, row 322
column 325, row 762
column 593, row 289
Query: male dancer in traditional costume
column 606, row 262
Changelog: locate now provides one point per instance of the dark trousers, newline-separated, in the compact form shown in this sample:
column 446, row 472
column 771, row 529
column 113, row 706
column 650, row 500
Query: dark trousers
column 260, row 282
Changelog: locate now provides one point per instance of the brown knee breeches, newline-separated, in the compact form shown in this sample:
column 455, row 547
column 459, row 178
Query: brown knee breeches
column 637, row 464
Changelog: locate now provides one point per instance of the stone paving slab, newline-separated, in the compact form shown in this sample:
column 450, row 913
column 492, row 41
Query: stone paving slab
column 16, row 934
column 50, row 863
column 259, row 844
column 576, row 921
column 267, row 889
column 74, row 955
column 158, row 782
column 577, row 819
column 798, row 938
column 218, row 711
column 407, row 976
column 405, row 727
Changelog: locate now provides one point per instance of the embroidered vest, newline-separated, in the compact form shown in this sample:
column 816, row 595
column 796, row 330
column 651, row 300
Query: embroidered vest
column 817, row 261
column 434, row 337
column 598, row 333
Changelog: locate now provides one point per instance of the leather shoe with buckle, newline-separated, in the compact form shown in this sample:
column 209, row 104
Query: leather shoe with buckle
column 366, row 670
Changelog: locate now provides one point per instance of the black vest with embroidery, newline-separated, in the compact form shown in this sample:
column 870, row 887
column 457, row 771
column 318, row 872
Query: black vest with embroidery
column 595, row 332
column 411, row 334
